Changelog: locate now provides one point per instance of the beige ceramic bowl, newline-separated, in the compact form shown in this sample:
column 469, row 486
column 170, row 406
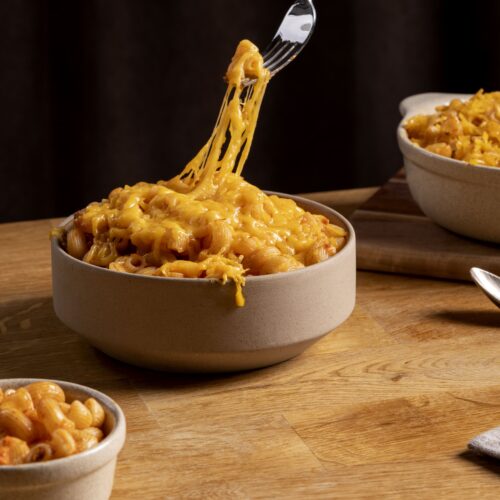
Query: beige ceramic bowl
column 193, row 325
column 84, row 476
column 458, row 196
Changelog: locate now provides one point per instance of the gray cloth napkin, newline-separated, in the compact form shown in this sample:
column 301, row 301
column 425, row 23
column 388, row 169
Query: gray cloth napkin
column 487, row 443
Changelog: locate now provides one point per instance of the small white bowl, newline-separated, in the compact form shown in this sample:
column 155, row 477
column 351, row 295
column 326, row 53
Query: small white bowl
column 193, row 325
column 84, row 476
column 461, row 197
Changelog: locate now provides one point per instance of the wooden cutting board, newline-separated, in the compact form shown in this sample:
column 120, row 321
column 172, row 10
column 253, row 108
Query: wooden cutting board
column 393, row 235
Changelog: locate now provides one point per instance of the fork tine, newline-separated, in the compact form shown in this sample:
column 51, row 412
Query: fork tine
column 275, row 43
column 270, row 49
column 278, row 54
column 285, row 57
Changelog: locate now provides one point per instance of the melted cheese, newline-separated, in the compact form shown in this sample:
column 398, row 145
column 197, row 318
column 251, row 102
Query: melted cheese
column 207, row 221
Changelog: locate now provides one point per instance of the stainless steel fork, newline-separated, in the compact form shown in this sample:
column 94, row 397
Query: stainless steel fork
column 292, row 35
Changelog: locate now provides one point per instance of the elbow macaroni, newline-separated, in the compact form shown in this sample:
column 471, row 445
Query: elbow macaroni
column 207, row 222
column 464, row 130
column 37, row 424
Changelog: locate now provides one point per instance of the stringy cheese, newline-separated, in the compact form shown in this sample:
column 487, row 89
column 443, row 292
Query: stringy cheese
column 207, row 222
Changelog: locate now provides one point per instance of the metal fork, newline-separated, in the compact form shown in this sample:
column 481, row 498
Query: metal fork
column 292, row 35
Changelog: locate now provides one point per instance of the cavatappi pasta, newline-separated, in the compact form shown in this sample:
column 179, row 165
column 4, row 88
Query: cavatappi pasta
column 207, row 222
column 464, row 130
column 38, row 424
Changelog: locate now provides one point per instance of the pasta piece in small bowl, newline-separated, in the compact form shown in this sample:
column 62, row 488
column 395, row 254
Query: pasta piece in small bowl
column 57, row 440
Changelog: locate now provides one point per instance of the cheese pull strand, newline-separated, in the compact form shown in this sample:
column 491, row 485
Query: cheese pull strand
column 227, row 149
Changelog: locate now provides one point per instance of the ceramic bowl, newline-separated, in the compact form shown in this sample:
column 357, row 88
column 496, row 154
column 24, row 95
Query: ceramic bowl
column 461, row 197
column 84, row 476
column 193, row 325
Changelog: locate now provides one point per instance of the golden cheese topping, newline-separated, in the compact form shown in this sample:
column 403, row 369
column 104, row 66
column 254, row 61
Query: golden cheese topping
column 464, row 130
column 207, row 222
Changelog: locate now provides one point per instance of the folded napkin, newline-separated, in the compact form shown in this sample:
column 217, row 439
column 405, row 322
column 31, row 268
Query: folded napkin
column 487, row 443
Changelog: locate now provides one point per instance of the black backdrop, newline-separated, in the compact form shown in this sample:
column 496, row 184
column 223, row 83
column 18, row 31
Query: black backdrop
column 99, row 93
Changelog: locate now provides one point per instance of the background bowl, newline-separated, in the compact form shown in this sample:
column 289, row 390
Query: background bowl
column 193, row 325
column 84, row 476
column 458, row 196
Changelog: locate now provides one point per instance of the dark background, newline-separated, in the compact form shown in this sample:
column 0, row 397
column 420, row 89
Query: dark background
column 99, row 93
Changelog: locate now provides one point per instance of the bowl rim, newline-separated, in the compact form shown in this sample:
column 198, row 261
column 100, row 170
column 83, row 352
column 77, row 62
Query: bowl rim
column 351, row 238
column 403, row 134
column 106, row 442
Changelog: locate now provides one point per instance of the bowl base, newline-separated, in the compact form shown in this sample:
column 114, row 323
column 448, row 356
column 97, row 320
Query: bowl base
column 212, row 362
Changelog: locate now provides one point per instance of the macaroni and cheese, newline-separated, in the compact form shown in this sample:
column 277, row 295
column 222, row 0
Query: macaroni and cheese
column 38, row 424
column 207, row 222
column 468, row 131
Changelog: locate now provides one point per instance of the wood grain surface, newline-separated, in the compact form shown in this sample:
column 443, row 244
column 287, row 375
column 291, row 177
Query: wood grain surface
column 393, row 235
column 383, row 407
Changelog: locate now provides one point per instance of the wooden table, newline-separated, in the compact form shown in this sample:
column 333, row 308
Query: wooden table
column 381, row 408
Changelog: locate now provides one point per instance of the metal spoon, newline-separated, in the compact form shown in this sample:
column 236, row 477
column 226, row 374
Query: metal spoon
column 488, row 282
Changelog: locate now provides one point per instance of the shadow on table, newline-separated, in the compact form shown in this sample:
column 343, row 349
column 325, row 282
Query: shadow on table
column 483, row 461
column 489, row 319
column 145, row 378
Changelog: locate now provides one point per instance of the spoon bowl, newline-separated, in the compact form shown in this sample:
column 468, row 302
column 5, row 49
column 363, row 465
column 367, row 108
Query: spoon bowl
column 488, row 282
